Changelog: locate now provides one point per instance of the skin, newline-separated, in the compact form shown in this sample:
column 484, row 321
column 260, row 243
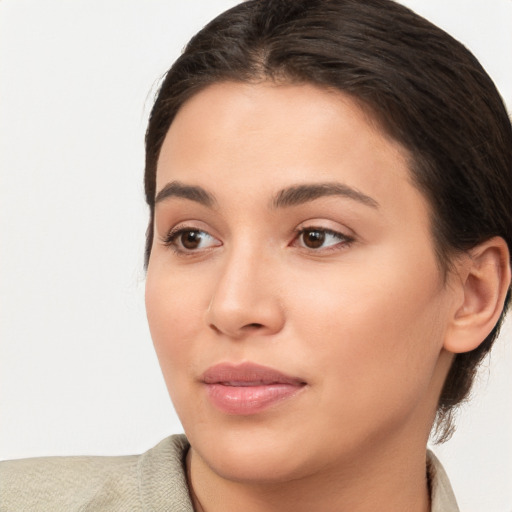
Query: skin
column 363, row 319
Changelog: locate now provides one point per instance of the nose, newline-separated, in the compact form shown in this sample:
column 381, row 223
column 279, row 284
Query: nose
column 246, row 298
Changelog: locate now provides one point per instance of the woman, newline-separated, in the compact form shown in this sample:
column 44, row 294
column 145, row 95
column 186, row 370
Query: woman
column 327, row 262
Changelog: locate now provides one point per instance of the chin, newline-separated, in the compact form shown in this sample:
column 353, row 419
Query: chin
column 255, row 455
column 255, row 466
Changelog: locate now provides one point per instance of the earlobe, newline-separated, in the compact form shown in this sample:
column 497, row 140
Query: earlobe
column 485, row 275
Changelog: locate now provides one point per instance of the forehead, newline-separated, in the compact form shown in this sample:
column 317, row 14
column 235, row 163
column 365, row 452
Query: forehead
column 248, row 137
column 279, row 111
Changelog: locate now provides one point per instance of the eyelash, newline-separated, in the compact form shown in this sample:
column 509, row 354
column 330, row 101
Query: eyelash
column 344, row 240
column 170, row 240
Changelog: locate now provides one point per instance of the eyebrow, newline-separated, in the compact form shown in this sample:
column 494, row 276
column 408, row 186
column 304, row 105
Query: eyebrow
column 299, row 194
column 191, row 192
column 287, row 197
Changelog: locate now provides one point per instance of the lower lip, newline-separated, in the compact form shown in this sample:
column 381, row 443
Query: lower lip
column 246, row 400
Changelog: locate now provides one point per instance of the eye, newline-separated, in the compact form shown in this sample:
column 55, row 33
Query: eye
column 321, row 238
column 184, row 240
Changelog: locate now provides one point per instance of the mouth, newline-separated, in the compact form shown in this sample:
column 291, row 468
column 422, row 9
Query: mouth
column 248, row 388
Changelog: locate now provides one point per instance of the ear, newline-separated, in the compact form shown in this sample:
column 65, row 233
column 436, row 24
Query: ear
column 485, row 279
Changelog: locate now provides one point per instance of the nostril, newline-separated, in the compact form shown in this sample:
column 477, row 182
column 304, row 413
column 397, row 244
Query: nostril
column 216, row 329
column 253, row 326
column 244, row 328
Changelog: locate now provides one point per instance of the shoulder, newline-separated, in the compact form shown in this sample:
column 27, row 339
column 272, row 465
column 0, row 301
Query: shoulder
column 96, row 483
column 67, row 483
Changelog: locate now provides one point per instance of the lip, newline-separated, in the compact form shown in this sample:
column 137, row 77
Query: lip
column 248, row 388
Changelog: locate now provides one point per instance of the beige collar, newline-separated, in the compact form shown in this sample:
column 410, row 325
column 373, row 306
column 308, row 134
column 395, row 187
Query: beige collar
column 443, row 499
column 163, row 479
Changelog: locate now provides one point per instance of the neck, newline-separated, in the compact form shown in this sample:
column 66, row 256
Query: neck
column 390, row 481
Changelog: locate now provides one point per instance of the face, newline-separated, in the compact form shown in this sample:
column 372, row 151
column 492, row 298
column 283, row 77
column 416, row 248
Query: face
column 293, row 293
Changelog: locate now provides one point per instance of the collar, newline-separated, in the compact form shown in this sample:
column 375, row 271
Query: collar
column 441, row 493
column 163, row 482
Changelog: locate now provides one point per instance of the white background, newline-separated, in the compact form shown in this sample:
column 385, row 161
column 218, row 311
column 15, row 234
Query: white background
column 77, row 369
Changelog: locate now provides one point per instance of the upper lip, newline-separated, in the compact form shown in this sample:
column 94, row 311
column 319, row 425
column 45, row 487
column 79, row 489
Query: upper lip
column 247, row 374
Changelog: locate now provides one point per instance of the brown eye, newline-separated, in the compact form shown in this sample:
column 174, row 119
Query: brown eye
column 191, row 239
column 313, row 239
column 322, row 239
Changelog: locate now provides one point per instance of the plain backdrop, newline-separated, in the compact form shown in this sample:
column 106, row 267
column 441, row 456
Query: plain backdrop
column 77, row 370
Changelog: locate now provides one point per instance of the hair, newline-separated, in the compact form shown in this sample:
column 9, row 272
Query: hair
column 422, row 87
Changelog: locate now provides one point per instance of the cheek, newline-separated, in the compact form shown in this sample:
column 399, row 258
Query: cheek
column 174, row 311
column 174, row 307
column 376, row 333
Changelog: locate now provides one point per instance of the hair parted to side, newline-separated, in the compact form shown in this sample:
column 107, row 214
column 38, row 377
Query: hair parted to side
column 424, row 88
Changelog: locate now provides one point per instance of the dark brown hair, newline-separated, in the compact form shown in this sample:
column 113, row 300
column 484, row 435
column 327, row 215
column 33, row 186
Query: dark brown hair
column 424, row 88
